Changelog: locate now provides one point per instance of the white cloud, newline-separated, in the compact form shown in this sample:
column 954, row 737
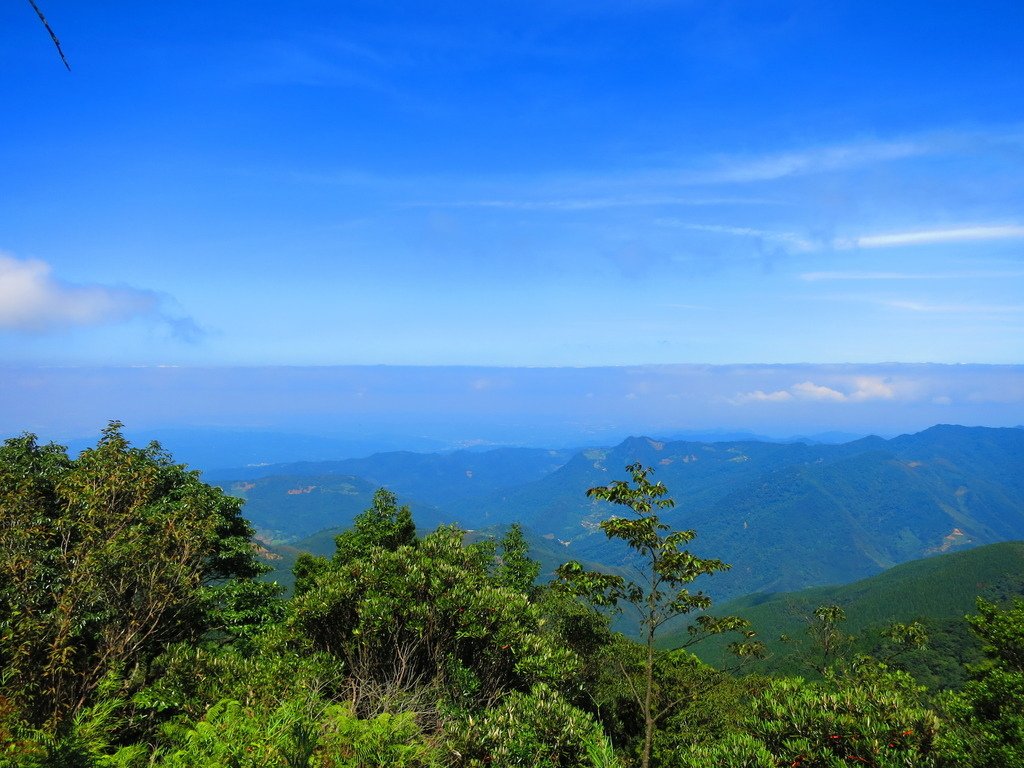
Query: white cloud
column 930, row 236
column 872, row 388
column 33, row 300
column 808, row 390
column 861, row 389
column 758, row 396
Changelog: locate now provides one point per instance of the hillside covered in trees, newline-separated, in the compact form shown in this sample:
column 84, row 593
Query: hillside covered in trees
column 134, row 632
column 869, row 504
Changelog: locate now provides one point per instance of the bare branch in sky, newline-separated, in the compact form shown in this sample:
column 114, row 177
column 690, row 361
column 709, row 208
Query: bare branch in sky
column 53, row 36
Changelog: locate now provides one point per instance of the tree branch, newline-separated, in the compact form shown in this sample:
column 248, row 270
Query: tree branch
column 53, row 35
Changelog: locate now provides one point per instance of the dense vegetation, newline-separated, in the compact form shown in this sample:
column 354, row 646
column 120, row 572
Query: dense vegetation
column 935, row 591
column 134, row 632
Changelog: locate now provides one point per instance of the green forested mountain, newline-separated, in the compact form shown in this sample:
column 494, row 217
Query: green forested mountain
column 937, row 591
column 134, row 634
column 288, row 507
column 865, row 505
column 281, row 557
column 440, row 479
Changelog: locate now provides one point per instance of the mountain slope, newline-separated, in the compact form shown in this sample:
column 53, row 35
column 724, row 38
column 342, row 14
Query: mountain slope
column 786, row 516
column 939, row 591
column 793, row 515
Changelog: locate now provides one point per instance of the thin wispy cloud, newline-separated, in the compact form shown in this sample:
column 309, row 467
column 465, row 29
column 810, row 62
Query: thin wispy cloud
column 710, row 170
column 316, row 61
column 931, row 236
column 596, row 203
column 379, row 184
column 810, row 161
column 791, row 240
column 868, row 276
column 957, row 309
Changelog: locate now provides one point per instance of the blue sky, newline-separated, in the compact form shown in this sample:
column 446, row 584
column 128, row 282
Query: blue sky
column 556, row 184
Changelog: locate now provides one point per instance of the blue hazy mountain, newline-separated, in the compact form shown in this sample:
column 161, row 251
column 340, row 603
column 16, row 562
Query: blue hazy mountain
column 785, row 515
column 295, row 500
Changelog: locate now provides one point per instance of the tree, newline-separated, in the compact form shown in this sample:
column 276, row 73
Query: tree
column 660, row 592
column 384, row 525
column 517, row 570
column 429, row 618
column 105, row 560
column 989, row 711
column 829, row 644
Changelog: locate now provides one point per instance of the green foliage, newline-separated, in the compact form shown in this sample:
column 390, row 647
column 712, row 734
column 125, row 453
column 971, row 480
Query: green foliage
column 989, row 712
column 664, row 569
column 700, row 705
column 387, row 739
column 899, row 639
column 535, row 729
column 692, row 702
column 242, row 609
column 308, row 570
column 935, row 592
column 189, row 679
column 83, row 740
column 577, row 627
column 829, row 643
column 660, row 592
column 1002, row 634
column 296, row 733
column 385, row 525
column 427, row 615
column 107, row 559
column 132, row 634
column 517, row 571
column 865, row 715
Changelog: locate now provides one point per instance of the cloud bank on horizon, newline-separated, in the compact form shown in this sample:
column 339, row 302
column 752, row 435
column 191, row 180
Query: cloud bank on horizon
column 519, row 185
column 540, row 406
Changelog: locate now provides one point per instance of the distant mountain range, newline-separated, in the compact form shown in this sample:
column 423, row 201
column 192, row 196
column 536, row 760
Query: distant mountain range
column 291, row 501
column 785, row 515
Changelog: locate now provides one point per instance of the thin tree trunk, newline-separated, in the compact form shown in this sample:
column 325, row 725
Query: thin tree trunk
column 645, row 758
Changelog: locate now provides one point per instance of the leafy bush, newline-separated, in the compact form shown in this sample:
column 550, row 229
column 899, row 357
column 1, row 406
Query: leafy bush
column 429, row 615
column 81, row 741
column 866, row 715
column 297, row 733
column 539, row 729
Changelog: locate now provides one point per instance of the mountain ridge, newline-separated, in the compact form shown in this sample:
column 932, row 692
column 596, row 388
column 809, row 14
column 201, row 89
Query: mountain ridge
column 869, row 504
